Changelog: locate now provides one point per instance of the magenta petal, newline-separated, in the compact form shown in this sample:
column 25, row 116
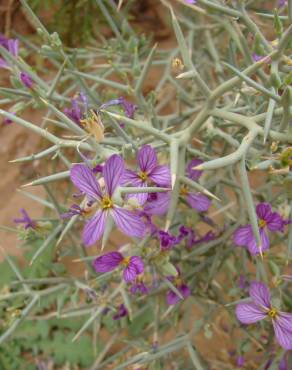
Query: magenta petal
column 107, row 262
column 260, row 294
column 275, row 222
column 160, row 175
column 94, row 228
column 83, row 178
column 263, row 210
column 243, row 235
column 283, row 330
column 199, row 201
column 172, row 298
column 137, row 262
column 252, row 245
column 147, row 158
column 140, row 197
column 129, row 222
column 249, row 313
column 113, row 173
column 185, row 290
column 131, row 177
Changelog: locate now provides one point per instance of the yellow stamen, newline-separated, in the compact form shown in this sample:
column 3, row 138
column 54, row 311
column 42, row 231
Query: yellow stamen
column 272, row 313
column 126, row 261
column 262, row 223
column 184, row 190
column 106, row 203
column 143, row 176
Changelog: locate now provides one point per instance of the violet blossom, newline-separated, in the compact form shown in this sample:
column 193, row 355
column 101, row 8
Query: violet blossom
column 26, row 80
column 79, row 108
column 167, row 240
column 261, row 308
column 122, row 312
column 129, row 108
column 139, row 287
column 11, row 45
column 197, row 200
column 267, row 220
column 127, row 221
column 172, row 298
column 27, row 222
column 133, row 266
column 149, row 171
column 157, row 203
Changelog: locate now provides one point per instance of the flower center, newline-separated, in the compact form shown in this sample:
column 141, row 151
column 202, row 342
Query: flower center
column 272, row 313
column 126, row 261
column 143, row 176
column 184, row 190
column 106, row 203
column 262, row 223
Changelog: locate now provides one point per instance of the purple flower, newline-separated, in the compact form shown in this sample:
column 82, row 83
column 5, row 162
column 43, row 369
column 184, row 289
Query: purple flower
column 139, row 287
column 79, row 107
column 26, row 80
column 8, row 121
column 261, row 308
column 167, row 241
column 26, row 220
column 240, row 361
column 242, row 282
column 149, row 170
column 127, row 221
column 267, row 219
column 257, row 58
column 282, row 3
column 11, row 45
column 122, row 312
column 198, row 201
column 74, row 210
column 129, row 108
column 133, row 266
column 157, row 203
column 192, row 2
column 172, row 298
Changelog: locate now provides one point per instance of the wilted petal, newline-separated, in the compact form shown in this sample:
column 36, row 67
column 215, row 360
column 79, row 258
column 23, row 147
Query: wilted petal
column 243, row 235
column 191, row 173
column 147, row 158
column 172, row 298
column 252, row 244
column 137, row 262
column 199, row 201
column 129, row 222
column 13, row 45
column 160, row 175
column 83, row 178
column 275, row 222
column 107, row 262
column 185, row 290
column 113, row 172
column 249, row 313
column 283, row 330
column 263, row 210
column 122, row 312
column 159, row 205
column 94, row 228
column 260, row 294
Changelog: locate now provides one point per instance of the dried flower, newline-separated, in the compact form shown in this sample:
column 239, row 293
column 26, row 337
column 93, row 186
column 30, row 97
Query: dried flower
column 26, row 220
column 26, row 80
column 122, row 312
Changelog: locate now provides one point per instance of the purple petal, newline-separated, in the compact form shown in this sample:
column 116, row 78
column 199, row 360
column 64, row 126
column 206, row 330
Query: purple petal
column 130, row 273
column 107, row 262
column 138, row 263
column 122, row 312
column 157, row 203
column 129, row 222
column 131, row 177
column 275, row 222
column 283, row 330
column 26, row 80
column 3, row 63
column 252, row 244
column 199, row 201
column 113, row 172
column 172, row 298
column 243, row 235
column 13, row 45
column 147, row 158
column 260, row 294
column 185, row 290
column 249, row 313
column 191, row 173
column 94, row 228
column 263, row 210
column 160, row 175
column 83, row 178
